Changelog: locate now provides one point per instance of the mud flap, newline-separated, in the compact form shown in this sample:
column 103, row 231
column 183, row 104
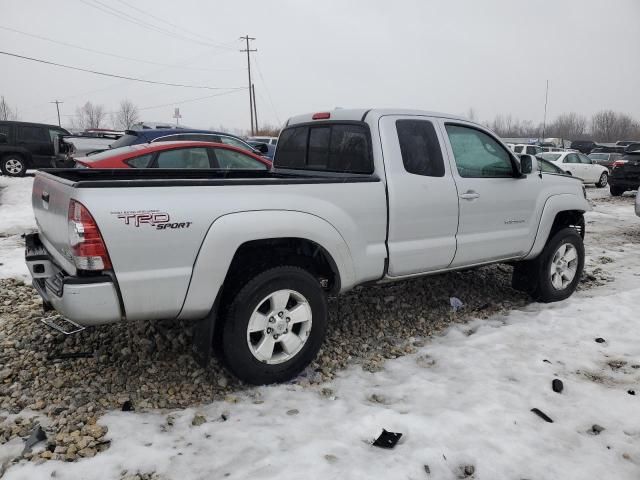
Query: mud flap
column 524, row 277
column 202, row 341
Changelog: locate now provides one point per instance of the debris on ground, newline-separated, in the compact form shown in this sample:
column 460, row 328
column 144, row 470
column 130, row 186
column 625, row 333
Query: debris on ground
column 542, row 415
column 456, row 303
column 557, row 385
column 387, row 439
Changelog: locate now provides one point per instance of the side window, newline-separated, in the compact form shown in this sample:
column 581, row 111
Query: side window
column 233, row 142
column 571, row 158
column 477, row 154
column 54, row 134
column 292, row 148
column 420, row 149
column 184, row 158
column 230, row 159
column 141, row 161
column 33, row 134
column 518, row 148
column 585, row 159
column 4, row 133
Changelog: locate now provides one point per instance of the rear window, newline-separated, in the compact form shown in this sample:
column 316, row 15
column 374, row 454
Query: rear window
column 552, row 157
column 599, row 156
column 331, row 147
column 125, row 140
column 420, row 149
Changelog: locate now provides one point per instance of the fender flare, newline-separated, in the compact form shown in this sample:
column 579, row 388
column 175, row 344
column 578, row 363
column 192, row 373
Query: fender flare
column 552, row 207
column 228, row 232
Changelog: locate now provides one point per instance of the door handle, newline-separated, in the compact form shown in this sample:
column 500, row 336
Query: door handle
column 470, row 195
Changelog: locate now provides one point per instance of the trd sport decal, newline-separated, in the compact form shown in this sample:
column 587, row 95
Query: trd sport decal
column 154, row 218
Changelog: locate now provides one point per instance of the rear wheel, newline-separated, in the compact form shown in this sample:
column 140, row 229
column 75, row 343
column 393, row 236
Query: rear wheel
column 604, row 180
column 274, row 326
column 616, row 191
column 13, row 166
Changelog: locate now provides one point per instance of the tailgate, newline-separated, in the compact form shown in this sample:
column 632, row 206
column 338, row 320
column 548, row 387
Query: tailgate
column 50, row 199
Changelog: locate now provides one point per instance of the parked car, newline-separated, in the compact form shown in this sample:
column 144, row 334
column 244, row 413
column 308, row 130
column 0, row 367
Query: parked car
column 608, row 148
column 268, row 140
column 625, row 143
column 180, row 154
column 25, row 145
column 632, row 147
column 271, row 149
column 638, row 202
column 580, row 166
column 604, row 159
column 528, row 149
column 546, row 166
column 625, row 174
column 251, row 257
column 583, row 146
column 136, row 137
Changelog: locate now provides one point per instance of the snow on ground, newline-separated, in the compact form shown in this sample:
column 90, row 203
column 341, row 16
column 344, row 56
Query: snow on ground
column 464, row 399
column 16, row 218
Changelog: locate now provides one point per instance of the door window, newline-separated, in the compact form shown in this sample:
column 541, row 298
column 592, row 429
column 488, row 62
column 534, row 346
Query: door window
column 184, row 158
column 585, row 159
column 230, row 159
column 477, row 154
column 33, row 134
column 420, row 149
column 141, row 161
column 235, row 143
column 571, row 158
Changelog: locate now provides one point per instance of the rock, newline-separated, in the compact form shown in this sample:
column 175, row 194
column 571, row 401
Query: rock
column 600, row 340
column 631, row 392
column 72, row 450
column 5, row 373
column 96, row 431
column 331, row 458
column 427, row 470
column 557, row 385
column 127, row 406
column 293, row 411
column 198, row 420
column 37, row 435
column 467, row 471
column 596, row 429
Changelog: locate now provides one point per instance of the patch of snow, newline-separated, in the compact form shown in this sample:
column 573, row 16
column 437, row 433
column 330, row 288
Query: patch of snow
column 16, row 218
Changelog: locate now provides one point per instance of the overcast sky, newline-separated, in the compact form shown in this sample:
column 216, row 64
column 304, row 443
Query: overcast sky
column 492, row 55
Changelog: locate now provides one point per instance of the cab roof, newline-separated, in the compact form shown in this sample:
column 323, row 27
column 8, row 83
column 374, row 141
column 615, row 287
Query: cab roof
column 361, row 114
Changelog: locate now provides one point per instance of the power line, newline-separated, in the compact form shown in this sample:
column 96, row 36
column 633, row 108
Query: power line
column 146, row 13
column 124, row 77
column 139, row 60
column 97, row 4
column 247, row 38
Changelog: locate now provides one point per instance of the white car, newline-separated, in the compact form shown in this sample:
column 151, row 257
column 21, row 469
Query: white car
column 579, row 165
column 528, row 149
column 268, row 140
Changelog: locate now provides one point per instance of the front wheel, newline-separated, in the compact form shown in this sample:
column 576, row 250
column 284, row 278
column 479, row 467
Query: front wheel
column 13, row 166
column 274, row 326
column 604, row 180
column 555, row 273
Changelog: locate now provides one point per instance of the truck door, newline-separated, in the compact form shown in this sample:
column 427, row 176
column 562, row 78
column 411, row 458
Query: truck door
column 498, row 213
column 423, row 201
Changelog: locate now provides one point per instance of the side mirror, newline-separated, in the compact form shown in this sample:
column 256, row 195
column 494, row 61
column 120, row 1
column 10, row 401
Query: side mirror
column 262, row 147
column 528, row 164
column 595, row 162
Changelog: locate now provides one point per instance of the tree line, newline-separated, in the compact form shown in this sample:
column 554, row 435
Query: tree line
column 604, row 126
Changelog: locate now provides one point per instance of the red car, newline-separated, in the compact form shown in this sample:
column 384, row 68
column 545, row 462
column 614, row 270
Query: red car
column 176, row 155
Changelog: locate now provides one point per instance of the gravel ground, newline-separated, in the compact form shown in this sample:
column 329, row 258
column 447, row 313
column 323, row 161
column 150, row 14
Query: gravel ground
column 64, row 383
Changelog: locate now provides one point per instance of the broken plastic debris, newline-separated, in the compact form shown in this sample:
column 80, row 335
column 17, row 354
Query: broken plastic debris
column 542, row 415
column 387, row 439
column 37, row 435
column 456, row 303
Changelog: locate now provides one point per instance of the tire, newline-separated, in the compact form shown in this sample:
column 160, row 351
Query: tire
column 616, row 191
column 13, row 166
column 261, row 303
column 604, row 180
column 548, row 284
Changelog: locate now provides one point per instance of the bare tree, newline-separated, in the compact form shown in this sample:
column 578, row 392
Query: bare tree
column 471, row 114
column 268, row 130
column 6, row 112
column 569, row 126
column 126, row 116
column 609, row 126
column 89, row 116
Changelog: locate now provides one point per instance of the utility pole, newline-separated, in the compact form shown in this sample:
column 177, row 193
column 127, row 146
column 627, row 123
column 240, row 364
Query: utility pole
column 247, row 38
column 255, row 108
column 58, row 109
column 544, row 120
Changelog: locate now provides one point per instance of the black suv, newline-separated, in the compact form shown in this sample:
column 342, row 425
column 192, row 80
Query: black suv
column 625, row 174
column 27, row 145
column 583, row 146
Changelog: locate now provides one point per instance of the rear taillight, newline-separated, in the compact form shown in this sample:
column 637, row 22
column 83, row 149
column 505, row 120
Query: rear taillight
column 321, row 116
column 618, row 163
column 87, row 247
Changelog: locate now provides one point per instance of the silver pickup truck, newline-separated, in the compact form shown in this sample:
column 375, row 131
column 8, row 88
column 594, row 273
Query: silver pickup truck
column 355, row 196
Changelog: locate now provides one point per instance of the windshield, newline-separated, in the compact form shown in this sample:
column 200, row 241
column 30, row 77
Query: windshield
column 598, row 156
column 125, row 140
column 552, row 157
